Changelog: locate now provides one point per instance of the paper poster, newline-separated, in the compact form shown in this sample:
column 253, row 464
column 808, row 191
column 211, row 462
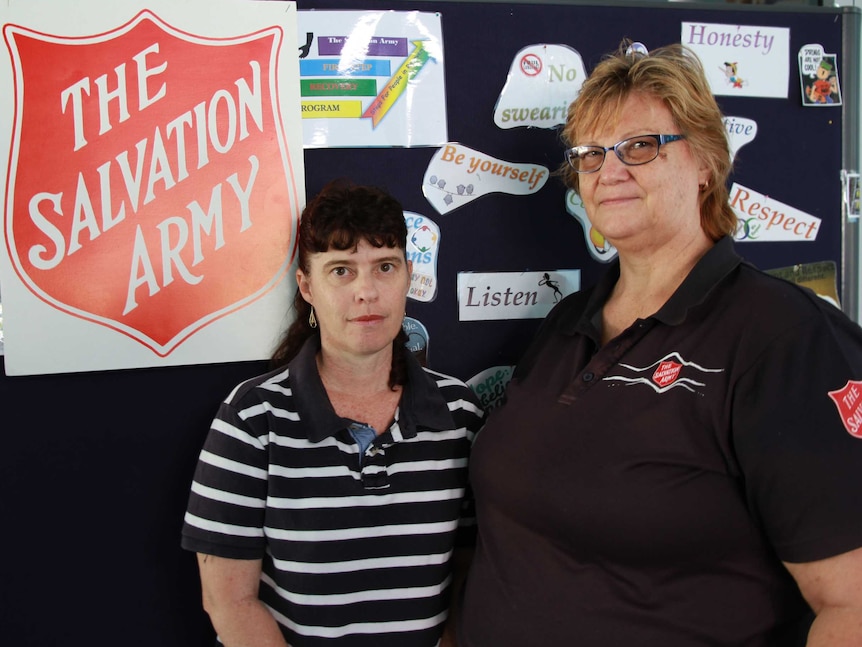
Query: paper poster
column 741, row 60
column 372, row 78
column 457, row 175
column 149, row 202
column 543, row 80
column 818, row 74
column 423, row 246
column 765, row 219
column 513, row 295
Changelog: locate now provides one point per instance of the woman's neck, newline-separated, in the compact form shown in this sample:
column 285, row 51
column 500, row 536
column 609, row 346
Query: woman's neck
column 359, row 390
column 647, row 280
column 358, row 376
column 653, row 275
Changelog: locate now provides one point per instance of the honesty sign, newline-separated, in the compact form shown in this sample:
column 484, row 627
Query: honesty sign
column 153, row 185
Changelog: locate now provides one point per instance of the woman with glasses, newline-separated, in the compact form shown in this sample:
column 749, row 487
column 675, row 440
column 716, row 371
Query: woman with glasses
column 679, row 459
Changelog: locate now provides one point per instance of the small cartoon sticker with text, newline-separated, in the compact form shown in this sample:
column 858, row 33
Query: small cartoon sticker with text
column 818, row 74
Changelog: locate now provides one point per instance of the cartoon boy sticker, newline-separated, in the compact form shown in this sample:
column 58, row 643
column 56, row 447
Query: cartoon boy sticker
column 819, row 77
column 731, row 72
column 820, row 90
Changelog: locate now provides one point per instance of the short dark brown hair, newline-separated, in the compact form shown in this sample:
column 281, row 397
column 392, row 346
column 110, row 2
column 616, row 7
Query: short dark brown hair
column 340, row 216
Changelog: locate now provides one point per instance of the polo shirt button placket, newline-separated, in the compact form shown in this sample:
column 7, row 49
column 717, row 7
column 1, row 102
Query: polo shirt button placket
column 373, row 477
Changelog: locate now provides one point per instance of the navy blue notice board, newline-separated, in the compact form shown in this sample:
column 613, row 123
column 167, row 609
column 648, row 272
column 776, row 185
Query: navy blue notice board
column 95, row 468
column 796, row 156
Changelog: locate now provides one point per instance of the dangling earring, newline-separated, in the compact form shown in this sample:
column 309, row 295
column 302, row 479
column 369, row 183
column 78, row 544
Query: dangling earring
column 312, row 320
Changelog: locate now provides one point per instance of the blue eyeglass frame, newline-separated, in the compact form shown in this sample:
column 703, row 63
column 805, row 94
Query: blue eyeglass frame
column 661, row 139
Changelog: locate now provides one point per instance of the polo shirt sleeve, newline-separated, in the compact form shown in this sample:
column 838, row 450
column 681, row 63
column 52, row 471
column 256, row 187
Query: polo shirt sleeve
column 225, row 515
column 801, row 463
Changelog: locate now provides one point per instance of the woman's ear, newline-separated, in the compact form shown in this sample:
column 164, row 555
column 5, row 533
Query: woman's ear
column 304, row 286
column 704, row 175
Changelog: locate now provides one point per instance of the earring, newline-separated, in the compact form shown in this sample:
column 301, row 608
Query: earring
column 312, row 320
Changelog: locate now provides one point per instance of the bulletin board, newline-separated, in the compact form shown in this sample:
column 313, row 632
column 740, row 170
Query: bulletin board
column 96, row 466
column 795, row 160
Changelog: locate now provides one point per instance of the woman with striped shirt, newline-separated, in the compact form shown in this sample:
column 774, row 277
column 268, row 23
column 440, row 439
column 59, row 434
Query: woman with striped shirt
column 328, row 497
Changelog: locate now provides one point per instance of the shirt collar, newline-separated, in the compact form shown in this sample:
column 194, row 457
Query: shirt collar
column 708, row 272
column 421, row 406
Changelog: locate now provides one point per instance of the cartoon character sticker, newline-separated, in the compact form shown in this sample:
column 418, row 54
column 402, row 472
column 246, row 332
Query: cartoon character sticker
column 731, row 73
column 818, row 75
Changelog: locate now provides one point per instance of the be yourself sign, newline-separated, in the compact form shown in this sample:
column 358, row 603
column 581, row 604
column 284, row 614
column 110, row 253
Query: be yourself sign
column 153, row 182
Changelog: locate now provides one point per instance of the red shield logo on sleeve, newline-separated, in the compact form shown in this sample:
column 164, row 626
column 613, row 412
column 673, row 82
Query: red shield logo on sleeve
column 848, row 399
column 150, row 188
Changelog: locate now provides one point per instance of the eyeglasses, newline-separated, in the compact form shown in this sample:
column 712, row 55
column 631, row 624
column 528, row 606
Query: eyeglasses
column 633, row 151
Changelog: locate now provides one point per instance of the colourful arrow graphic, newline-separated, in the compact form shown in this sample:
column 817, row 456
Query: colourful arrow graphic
column 397, row 84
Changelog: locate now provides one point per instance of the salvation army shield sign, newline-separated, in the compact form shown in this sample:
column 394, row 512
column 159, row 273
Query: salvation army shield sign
column 848, row 400
column 150, row 188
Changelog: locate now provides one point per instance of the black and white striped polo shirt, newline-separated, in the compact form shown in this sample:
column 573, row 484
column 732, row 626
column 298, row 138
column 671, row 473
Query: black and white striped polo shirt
column 354, row 552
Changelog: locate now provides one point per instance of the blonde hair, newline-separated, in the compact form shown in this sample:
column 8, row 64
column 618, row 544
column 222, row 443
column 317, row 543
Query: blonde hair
column 674, row 75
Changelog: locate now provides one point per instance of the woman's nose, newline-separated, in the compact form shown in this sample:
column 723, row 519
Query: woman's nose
column 366, row 287
column 613, row 168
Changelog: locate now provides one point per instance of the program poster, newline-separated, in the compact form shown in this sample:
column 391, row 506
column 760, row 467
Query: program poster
column 152, row 181
column 371, row 78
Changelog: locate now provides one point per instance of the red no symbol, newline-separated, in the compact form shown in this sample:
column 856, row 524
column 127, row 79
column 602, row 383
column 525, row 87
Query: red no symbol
column 531, row 64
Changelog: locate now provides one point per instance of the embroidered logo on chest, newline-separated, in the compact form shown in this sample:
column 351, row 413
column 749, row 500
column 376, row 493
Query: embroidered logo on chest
column 666, row 373
column 669, row 372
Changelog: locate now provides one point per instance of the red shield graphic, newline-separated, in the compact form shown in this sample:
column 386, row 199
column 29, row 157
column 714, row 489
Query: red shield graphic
column 150, row 188
column 666, row 373
column 849, row 402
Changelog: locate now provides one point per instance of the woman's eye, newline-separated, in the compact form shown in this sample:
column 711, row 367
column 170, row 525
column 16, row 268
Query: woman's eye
column 640, row 144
